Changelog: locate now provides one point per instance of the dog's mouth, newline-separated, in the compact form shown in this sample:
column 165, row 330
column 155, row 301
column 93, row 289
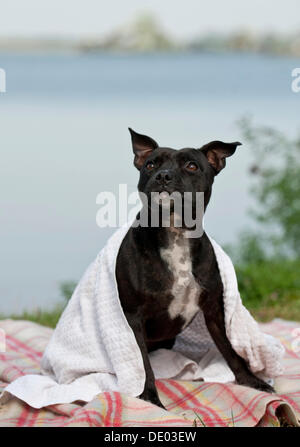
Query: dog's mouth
column 165, row 197
column 166, row 190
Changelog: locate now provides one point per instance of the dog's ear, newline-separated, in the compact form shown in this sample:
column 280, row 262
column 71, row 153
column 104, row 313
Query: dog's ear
column 216, row 152
column 142, row 147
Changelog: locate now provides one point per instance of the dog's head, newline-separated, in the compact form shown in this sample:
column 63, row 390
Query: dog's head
column 163, row 169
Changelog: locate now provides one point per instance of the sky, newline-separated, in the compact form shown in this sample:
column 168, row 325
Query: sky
column 77, row 18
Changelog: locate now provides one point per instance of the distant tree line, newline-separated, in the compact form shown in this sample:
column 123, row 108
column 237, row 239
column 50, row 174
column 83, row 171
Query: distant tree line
column 146, row 34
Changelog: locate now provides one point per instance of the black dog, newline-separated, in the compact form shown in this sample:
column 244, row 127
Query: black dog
column 163, row 277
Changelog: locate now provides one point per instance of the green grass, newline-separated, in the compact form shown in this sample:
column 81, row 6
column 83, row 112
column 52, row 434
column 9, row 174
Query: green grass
column 271, row 289
column 44, row 317
column 47, row 317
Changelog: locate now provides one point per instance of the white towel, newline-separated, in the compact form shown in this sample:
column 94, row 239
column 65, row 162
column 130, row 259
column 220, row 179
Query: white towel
column 93, row 349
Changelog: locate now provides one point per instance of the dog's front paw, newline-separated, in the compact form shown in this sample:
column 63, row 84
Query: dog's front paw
column 152, row 397
column 255, row 382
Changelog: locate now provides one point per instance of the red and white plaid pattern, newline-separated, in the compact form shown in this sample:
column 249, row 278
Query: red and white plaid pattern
column 188, row 403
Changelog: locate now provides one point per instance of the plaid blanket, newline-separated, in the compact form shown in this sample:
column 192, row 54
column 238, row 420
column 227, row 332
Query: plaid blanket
column 188, row 403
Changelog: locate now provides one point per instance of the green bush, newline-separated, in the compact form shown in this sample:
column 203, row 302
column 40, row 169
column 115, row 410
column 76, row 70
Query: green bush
column 67, row 288
column 269, row 282
column 267, row 262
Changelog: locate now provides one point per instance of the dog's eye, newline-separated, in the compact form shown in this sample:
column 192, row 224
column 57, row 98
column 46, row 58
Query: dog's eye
column 191, row 166
column 150, row 166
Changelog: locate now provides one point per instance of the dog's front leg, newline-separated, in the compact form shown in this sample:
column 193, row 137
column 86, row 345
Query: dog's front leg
column 150, row 392
column 214, row 319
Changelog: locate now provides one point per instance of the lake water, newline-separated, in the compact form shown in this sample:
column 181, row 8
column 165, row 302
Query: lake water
column 64, row 139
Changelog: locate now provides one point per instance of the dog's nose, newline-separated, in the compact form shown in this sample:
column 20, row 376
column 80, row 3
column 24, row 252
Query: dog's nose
column 164, row 176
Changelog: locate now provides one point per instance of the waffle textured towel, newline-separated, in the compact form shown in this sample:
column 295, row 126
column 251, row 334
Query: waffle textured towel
column 93, row 348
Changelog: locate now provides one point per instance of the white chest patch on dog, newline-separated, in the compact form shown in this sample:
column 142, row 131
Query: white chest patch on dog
column 185, row 289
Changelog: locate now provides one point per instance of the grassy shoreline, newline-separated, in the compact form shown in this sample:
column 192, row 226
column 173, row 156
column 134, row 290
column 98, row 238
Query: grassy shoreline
column 270, row 288
column 47, row 318
column 262, row 314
